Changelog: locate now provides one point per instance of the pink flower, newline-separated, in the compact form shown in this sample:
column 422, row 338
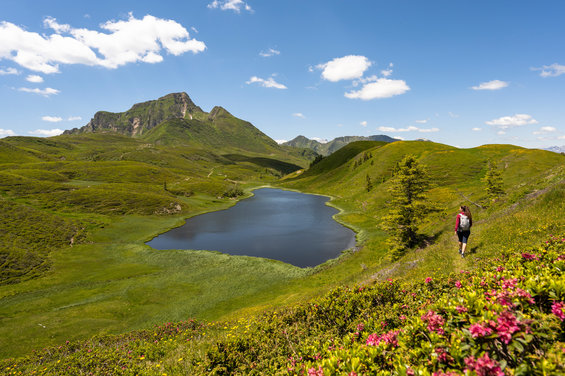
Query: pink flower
column 313, row 372
column 500, row 269
column 484, row 366
column 558, row 310
column 441, row 373
column 389, row 338
column 529, row 256
column 507, row 324
column 461, row 309
column 434, row 321
column 442, row 355
column 428, row 280
column 480, row 330
column 458, row 284
column 373, row 339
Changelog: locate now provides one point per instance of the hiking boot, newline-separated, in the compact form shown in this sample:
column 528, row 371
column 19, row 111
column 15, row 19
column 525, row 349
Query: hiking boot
column 459, row 251
column 462, row 255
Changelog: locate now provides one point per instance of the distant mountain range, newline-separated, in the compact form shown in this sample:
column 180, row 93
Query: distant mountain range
column 328, row 148
column 556, row 149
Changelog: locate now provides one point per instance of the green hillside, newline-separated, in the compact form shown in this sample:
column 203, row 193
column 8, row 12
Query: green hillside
column 80, row 207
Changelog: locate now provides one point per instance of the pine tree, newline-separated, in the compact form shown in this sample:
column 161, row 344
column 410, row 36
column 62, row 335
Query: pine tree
column 408, row 205
column 493, row 182
column 369, row 183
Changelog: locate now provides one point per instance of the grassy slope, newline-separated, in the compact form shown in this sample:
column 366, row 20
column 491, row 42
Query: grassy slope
column 129, row 286
column 74, row 190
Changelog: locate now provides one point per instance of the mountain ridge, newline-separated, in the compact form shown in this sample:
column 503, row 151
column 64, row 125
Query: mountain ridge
column 141, row 117
column 337, row 143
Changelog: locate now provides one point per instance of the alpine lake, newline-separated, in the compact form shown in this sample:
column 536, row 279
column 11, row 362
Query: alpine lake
column 292, row 227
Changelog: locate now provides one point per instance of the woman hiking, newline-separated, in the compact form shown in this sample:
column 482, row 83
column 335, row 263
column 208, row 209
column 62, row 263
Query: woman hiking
column 463, row 225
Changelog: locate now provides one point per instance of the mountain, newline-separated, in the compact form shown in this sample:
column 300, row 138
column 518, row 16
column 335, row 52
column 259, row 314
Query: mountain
column 175, row 121
column 142, row 116
column 328, row 148
column 556, row 149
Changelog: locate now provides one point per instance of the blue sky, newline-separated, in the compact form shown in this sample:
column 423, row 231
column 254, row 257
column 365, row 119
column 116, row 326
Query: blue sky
column 456, row 72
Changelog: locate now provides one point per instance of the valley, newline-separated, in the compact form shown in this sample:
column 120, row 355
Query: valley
column 78, row 208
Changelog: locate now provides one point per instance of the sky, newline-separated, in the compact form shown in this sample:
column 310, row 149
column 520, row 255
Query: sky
column 462, row 73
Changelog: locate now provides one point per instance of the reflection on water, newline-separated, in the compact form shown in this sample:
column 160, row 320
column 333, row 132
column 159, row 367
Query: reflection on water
column 292, row 227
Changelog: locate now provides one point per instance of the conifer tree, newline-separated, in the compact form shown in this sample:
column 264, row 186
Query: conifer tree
column 369, row 183
column 493, row 181
column 408, row 205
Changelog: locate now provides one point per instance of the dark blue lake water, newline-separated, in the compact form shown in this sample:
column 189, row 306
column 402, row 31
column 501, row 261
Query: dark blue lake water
column 293, row 227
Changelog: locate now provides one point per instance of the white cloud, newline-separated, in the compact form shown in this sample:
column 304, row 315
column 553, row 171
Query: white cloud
column 344, row 68
column 7, row 71
column 501, row 132
column 52, row 119
column 6, row 132
column 428, row 130
column 399, row 138
column 270, row 82
column 410, row 128
column 280, row 141
column 34, row 78
column 195, row 30
column 270, row 52
column 120, row 43
column 45, row 92
column 561, row 137
column 381, row 88
column 452, row 115
column 51, row 23
column 423, row 121
column 477, row 129
column 387, row 72
column 552, row 70
column 544, row 130
column 517, row 120
column 491, row 85
column 299, row 115
column 46, row 132
column 74, row 118
column 363, row 123
column 235, row 5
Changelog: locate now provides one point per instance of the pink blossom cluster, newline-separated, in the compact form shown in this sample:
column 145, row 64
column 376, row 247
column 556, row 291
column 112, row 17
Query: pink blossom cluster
column 316, row 372
column 442, row 355
column 461, row 309
column 558, row 309
column 435, row 322
column 428, row 280
column 505, row 325
column 390, row 338
column 529, row 256
column 441, row 373
column 484, row 366
column 480, row 330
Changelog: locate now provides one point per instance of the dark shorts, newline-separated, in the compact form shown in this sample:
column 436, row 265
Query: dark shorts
column 463, row 236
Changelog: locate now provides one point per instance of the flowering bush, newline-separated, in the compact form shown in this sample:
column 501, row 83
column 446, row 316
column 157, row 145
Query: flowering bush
column 504, row 319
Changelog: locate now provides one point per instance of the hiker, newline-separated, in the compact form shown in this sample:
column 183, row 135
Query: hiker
column 463, row 225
